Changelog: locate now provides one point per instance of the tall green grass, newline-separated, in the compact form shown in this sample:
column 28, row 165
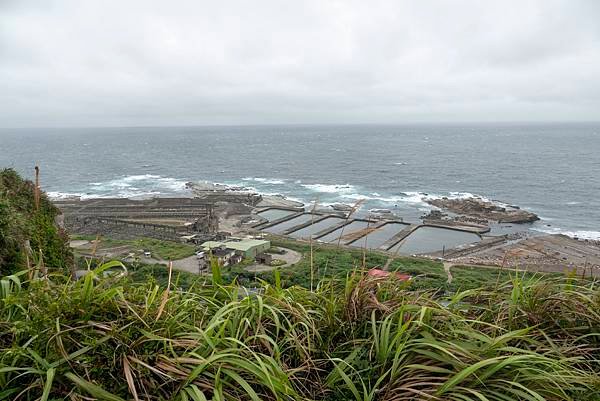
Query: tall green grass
column 354, row 339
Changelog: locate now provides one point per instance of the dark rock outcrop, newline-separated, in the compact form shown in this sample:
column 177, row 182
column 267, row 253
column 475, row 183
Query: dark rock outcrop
column 477, row 208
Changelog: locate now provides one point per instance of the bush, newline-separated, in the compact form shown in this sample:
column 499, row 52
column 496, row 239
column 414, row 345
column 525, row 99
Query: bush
column 23, row 227
column 361, row 339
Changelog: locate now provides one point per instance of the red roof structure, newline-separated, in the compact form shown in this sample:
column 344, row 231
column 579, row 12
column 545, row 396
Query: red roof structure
column 383, row 274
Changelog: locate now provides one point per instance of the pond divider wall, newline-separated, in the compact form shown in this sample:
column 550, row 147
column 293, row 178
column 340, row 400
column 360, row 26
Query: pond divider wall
column 359, row 234
column 399, row 237
column 267, row 224
column 316, row 218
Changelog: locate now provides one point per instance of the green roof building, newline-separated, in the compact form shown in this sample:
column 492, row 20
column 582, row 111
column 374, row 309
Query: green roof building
column 249, row 248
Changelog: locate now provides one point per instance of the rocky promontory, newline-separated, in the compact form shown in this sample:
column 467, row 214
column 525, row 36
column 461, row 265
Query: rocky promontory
column 481, row 209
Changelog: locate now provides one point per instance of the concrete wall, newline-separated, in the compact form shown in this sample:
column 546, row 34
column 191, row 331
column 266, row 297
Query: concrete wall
column 113, row 217
column 257, row 249
column 119, row 229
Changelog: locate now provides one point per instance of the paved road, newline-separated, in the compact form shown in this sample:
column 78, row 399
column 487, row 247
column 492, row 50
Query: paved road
column 189, row 264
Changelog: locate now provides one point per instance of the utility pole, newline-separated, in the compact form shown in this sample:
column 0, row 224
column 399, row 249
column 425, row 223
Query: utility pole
column 36, row 191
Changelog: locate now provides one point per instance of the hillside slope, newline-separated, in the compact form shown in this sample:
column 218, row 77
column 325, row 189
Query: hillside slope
column 23, row 227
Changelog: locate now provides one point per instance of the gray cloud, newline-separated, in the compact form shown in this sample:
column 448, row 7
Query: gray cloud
column 141, row 62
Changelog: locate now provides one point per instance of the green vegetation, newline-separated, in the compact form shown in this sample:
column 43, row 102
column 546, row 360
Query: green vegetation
column 159, row 274
column 28, row 233
column 330, row 261
column 533, row 338
column 166, row 250
column 274, row 250
column 160, row 249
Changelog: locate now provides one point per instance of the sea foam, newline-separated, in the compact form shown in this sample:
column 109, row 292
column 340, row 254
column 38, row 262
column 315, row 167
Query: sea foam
column 270, row 181
column 330, row 188
column 131, row 186
column 581, row 234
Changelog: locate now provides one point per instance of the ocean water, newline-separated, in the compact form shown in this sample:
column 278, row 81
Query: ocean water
column 550, row 169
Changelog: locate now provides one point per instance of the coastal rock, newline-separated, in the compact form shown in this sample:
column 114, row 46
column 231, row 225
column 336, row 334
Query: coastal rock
column 381, row 211
column 483, row 210
column 341, row 207
column 434, row 215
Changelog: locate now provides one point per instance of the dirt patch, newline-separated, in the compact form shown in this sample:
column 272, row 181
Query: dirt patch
column 290, row 257
column 79, row 243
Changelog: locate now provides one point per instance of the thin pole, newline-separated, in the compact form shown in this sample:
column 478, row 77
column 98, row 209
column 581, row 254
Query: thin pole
column 36, row 192
column 312, row 222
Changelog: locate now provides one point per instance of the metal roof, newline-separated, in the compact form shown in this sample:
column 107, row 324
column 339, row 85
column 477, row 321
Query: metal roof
column 242, row 245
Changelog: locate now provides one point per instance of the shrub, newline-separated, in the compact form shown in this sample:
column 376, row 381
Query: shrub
column 26, row 231
column 359, row 339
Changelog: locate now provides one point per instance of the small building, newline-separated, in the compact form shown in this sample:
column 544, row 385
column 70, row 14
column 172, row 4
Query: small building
column 247, row 248
column 264, row 258
column 225, row 257
column 378, row 273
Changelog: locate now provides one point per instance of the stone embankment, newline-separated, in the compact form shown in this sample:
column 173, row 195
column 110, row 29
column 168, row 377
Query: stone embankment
column 238, row 195
column 480, row 211
column 161, row 218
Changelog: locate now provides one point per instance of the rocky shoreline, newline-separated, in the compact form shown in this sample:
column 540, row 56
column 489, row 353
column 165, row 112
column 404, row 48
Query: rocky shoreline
column 232, row 210
column 239, row 195
column 549, row 253
column 481, row 211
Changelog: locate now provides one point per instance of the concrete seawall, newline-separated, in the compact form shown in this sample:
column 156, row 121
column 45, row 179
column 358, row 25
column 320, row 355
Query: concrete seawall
column 128, row 217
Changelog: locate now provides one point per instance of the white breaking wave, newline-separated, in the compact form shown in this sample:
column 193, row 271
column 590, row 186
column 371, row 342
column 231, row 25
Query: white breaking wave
column 271, row 181
column 406, row 197
column 330, row 188
column 461, row 195
column 466, row 195
column 582, row 234
column 416, row 197
column 132, row 186
column 292, row 198
column 452, row 195
column 64, row 195
column 173, row 184
column 146, row 184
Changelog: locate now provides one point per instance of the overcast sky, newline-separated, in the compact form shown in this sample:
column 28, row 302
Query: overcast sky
column 143, row 62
